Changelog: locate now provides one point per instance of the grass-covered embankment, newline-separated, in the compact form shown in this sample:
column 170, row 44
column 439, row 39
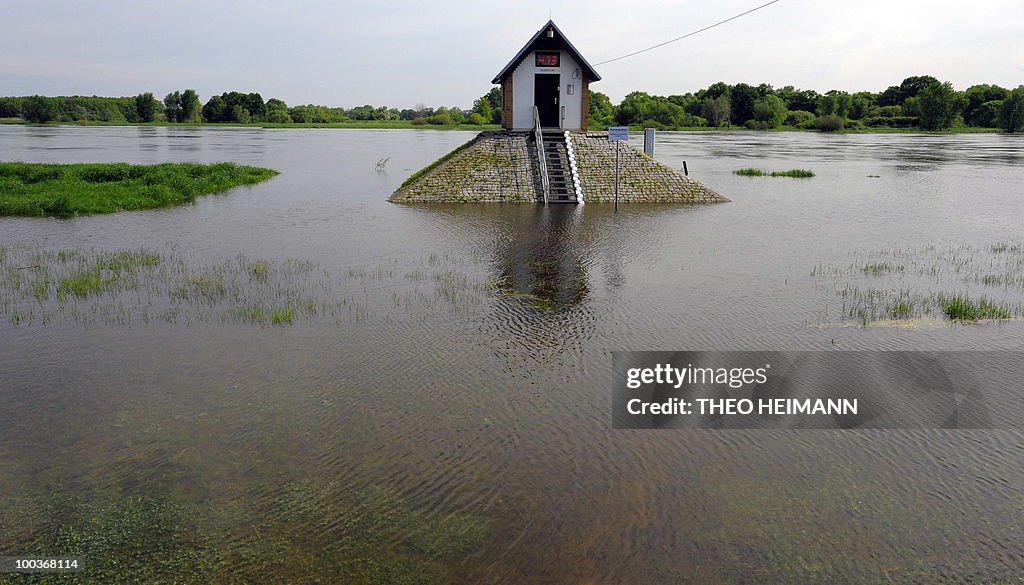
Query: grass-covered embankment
column 62, row 190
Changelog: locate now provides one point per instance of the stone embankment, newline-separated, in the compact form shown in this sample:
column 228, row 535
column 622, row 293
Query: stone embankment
column 499, row 167
column 642, row 179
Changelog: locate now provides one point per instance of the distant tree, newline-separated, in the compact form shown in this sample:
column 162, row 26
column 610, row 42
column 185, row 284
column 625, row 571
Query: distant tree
column 912, row 106
column 689, row 102
column 172, row 107
column 240, row 114
column 829, row 123
column 764, row 90
column 741, row 100
column 892, row 96
column 975, row 112
column 482, row 106
column 986, row 115
column 39, row 109
column 862, row 103
column 441, row 118
column 769, row 111
column 939, row 104
column 366, row 112
column 799, row 99
column 10, row 107
column 477, row 119
column 836, row 103
column 716, row 90
column 912, row 86
column 457, row 115
column 254, row 104
column 216, row 110
column 715, row 110
column 1011, row 113
column 145, row 107
column 277, row 112
column 494, row 97
column 601, row 113
column 190, row 106
column 800, row 118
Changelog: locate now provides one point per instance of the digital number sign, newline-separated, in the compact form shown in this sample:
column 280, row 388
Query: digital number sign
column 547, row 59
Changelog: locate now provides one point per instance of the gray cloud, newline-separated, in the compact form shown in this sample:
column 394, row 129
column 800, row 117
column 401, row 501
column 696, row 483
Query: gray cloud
column 443, row 52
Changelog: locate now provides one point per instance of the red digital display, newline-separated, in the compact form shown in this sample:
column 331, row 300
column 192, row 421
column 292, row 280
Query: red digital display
column 547, row 59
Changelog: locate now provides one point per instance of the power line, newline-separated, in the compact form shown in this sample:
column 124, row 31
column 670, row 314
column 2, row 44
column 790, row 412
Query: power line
column 689, row 34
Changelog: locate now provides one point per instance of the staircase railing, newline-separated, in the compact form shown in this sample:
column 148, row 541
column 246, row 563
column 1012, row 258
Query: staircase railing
column 542, row 162
column 573, row 170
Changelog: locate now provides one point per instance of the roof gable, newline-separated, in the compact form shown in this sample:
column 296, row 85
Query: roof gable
column 541, row 42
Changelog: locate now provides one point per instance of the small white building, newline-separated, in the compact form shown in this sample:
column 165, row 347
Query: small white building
column 548, row 72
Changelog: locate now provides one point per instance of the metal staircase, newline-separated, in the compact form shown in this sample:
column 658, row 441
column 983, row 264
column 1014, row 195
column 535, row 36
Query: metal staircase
column 560, row 184
column 557, row 184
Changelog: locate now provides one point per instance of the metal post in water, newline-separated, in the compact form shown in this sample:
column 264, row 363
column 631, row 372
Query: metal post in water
column 649, row 142
column 686, row 171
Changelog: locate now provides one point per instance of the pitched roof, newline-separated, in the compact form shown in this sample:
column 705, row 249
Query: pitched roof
column 539, row 41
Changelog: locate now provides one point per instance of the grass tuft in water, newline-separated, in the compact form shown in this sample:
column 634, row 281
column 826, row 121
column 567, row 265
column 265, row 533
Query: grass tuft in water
column 795, row 173
column 962, row 308
column 750, row 172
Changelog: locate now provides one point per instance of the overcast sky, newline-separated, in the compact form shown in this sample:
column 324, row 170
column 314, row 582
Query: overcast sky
column 402, row 53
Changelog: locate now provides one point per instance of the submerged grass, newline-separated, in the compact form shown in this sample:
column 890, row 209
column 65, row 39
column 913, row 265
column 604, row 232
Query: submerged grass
column 905, row 284
column 63, row 190
column 309, row 534
column 129, row 287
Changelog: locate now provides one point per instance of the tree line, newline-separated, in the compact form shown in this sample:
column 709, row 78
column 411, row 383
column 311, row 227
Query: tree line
column 233, row 107
column 921, row 102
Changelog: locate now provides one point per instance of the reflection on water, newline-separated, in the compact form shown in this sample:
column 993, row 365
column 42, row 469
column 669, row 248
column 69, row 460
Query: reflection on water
column 454, row 423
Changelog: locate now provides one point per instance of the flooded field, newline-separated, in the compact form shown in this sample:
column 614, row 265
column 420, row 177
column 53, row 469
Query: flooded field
column 299, row 381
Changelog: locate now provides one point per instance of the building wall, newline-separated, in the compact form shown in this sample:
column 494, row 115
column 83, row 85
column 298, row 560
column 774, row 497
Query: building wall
column 522, row 91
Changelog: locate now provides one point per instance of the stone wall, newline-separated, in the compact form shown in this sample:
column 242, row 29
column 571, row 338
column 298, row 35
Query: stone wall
column 641, row 178
column 497, row 166
column 494, row 166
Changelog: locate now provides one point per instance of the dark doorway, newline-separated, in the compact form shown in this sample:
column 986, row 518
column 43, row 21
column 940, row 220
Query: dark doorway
column 545, row 96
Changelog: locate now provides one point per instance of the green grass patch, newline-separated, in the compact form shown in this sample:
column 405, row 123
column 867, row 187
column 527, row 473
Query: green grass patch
column 750, row 172
column 795, row 173
column 962, row 308
column 283, row 316
column 59, row 190
column 83, row 284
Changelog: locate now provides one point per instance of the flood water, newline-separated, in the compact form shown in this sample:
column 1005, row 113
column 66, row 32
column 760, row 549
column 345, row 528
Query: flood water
column 446, row 411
